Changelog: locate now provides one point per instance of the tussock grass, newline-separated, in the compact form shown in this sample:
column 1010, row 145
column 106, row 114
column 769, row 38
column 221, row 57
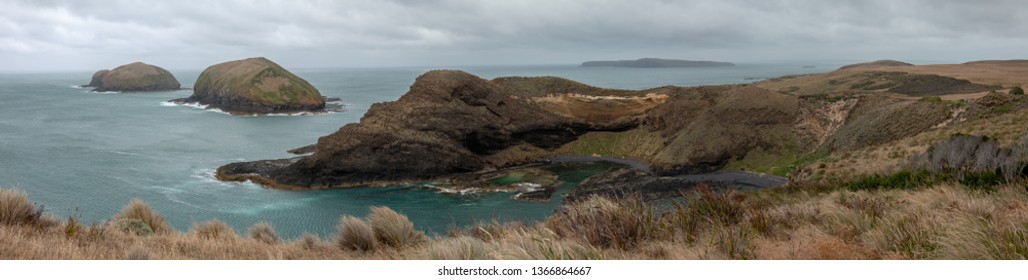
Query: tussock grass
column 309, row 241
column 394, row 229
column 263, row 232
column 137, row 209
column 137, row 253
column 459, row 248
column 356, row 234
column 15, row 208
column 944, row 221
column 213, row 230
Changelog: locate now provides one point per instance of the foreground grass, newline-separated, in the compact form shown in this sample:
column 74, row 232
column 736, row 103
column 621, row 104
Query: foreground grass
column 946, row 221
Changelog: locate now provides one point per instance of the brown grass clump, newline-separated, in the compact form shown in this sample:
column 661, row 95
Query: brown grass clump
column 137, row 253
column 946, row 221
column 263, row 232
column 309, row 241
column 394, row 229
column 214, row 230
column 356, row 234
column 137, row 209
column 459, row 248
column 605, row 222
column 15, row 208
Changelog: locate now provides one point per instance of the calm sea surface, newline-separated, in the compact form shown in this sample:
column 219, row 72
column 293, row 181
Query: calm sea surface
column 86, row 154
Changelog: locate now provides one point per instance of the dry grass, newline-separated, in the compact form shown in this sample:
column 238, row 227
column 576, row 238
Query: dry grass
column 263, row 232
column 213, row 230
column 394, row 229
column 356, row 234
column 942, row 222
column 459, row 248
column 137, row 209
column 15, row 208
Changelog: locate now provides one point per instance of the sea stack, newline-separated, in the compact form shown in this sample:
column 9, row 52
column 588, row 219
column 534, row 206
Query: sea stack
column 254, row 86
column 134, row 77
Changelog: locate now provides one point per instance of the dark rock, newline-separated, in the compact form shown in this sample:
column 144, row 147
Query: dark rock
column 621, row 182
column 302, row 150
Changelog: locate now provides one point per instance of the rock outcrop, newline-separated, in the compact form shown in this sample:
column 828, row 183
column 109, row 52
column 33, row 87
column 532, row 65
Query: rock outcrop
column 655, row 63
column 134, row 77
column 254, row 86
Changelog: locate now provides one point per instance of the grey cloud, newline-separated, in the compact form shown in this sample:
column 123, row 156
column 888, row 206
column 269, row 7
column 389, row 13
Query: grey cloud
column 189, row 34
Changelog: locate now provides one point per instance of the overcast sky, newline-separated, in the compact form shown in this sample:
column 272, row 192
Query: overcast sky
column 183, row 34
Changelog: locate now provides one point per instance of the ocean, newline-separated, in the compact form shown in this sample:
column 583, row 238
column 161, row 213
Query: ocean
column 86, row 155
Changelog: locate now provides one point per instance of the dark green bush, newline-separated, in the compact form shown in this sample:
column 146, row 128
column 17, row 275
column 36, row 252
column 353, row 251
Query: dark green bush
column 903, row 180
column 1017, row 90
column 982, row 180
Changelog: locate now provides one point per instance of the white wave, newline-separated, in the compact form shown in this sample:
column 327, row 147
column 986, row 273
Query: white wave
column 194, row 105
column 77, row 86
column 197, row 105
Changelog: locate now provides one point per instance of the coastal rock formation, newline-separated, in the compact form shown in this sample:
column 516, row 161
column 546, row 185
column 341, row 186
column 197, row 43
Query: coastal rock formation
column 448, row 120
column 452, row 123
column 97, row 78
column 655, row 63
column 877, row 63
column 254, row 86
column 134, row 77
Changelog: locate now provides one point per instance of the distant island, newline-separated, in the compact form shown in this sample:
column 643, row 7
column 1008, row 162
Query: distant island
column 655, row 63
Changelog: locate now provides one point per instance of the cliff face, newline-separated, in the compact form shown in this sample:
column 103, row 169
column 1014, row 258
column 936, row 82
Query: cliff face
column 134, row 77
column 254, row 86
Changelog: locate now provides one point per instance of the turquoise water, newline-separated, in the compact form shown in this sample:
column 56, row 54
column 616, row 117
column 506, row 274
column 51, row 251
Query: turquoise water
column 87, row 154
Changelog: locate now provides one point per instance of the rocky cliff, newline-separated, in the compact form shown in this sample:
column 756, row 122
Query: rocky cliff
column 254, row 86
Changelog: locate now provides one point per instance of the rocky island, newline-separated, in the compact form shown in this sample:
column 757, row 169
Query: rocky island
column 655, row 63
column 254, row 86
column 134, row 77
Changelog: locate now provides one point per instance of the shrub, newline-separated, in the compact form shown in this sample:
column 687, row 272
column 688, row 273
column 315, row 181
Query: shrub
column 213, row 229
column 263, row 232
column 15, row 208
column 1017, row 90
column 984, row 180
column 394, row 229
column 355, row 234
column 903, row 180
column 137, row 209
column 133, row 226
